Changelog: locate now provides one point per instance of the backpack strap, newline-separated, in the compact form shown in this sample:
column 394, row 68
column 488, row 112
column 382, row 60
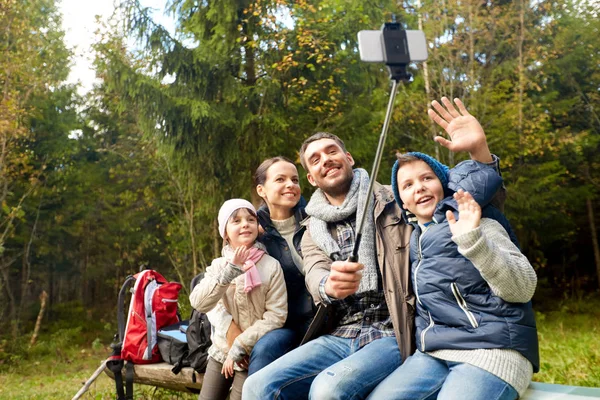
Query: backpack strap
column 129, row 381
column 115, row 362
column 180, row 364
column 121, row 307
column 115, row 365
column 149, row 289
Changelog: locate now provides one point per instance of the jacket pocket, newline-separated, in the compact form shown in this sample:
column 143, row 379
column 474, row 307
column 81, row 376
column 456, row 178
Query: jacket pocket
column 463, row 305
column 398, row 237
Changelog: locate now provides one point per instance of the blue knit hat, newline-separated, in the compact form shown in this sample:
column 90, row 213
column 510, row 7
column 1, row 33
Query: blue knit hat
column 440, row 170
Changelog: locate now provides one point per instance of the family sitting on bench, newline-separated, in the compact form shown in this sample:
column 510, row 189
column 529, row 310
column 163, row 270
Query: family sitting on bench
column 437, row 306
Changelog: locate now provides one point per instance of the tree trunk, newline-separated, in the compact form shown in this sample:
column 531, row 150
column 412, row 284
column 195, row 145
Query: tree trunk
column 216, row 241
column 192, row 230
column 26, row 271
column 590, row 210
column 432, row 125
column 471, row 47
column 12, row 304
column 521, row 72
column 51, row 294
column 38, row 322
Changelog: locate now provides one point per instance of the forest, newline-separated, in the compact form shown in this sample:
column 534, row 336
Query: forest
column 93, row 187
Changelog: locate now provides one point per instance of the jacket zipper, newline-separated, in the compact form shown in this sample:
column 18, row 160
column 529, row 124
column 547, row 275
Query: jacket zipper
column 431, row 323
column 420, row 257
column 463, row 305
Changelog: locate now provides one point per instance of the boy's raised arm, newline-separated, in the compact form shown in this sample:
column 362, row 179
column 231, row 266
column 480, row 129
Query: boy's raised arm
column 466, row 133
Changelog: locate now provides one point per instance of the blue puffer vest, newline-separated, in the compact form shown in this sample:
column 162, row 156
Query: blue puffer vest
column 300, row 304
column 466, row 314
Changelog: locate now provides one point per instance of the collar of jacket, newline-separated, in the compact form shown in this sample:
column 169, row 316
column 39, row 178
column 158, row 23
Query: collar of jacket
column 383, row 197
column 264, row 215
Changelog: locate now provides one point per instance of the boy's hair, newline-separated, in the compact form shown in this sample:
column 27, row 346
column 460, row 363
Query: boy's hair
column 405, row 158
column 314, row 138
column 439, row 169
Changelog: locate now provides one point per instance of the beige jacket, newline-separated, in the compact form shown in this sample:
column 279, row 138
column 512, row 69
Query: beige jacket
column 393, row 247
column 221, row 291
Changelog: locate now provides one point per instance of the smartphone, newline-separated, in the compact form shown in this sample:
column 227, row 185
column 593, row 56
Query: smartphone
column 372, row 48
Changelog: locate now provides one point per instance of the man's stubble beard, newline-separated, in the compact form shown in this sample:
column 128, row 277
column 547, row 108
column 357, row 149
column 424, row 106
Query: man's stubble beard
column 339, row 189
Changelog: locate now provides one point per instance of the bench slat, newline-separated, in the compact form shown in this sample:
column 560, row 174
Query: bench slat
column 160, row 375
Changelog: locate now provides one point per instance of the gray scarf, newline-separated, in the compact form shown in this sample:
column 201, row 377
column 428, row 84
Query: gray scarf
column 322, row 212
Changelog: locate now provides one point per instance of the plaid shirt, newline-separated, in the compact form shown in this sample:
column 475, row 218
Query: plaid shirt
column 364, row 316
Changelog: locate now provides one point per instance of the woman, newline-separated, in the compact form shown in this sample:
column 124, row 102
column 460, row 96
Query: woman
column 277, row 183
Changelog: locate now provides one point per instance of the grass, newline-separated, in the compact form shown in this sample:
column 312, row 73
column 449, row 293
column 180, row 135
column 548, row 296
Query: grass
column 60, row 376
column 570, row 343
column 61, row 362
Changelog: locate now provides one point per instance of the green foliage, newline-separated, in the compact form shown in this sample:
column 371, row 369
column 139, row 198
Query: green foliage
column 134, row 174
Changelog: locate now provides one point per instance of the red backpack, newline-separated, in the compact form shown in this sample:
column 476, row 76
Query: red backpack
column 153, row 306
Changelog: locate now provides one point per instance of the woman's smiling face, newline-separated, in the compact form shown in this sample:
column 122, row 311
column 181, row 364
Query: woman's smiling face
column 281, row 189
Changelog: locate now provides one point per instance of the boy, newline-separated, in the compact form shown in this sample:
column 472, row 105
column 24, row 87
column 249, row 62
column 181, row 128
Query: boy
column 475, row 328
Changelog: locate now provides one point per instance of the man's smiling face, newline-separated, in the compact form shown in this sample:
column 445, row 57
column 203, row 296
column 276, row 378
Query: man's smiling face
column 329, row 167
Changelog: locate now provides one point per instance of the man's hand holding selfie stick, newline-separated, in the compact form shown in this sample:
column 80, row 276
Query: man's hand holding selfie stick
column 343, row 279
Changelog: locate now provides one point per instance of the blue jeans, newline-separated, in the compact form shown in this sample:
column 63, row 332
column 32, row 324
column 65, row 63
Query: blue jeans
column 272, row 346
column 423, row 377
column 328, row 367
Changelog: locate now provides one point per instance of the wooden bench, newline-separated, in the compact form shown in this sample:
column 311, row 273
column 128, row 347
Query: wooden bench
column 187, row 380
column 190, row 381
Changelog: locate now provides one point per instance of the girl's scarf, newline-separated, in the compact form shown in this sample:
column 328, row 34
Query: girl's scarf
column 322, row 213
column 251, row 274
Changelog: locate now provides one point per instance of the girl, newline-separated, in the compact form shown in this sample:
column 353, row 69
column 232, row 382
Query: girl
column 246, row 284
column 277, row 183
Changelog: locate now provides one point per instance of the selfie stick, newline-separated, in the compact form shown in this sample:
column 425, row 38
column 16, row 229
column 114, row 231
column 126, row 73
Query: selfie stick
column 397, row 58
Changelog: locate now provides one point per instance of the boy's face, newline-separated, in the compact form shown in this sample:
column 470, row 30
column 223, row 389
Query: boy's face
column 420, row 189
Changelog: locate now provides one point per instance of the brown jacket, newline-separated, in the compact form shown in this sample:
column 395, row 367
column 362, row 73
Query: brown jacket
column 393, row 247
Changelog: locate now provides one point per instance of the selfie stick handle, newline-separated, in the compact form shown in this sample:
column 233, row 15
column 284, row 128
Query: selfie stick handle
column 374, row 172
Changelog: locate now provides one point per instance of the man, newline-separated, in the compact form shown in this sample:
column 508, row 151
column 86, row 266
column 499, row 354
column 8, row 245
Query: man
column 372, row 300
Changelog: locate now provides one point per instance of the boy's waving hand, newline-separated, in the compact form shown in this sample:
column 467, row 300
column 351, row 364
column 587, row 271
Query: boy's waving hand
column 469, row 214
column 466, row 133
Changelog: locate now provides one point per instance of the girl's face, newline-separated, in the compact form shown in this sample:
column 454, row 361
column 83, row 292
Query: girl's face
column 281, row 190
column 241, row 229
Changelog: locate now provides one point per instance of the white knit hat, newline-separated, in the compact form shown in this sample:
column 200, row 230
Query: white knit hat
column 228, row 208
